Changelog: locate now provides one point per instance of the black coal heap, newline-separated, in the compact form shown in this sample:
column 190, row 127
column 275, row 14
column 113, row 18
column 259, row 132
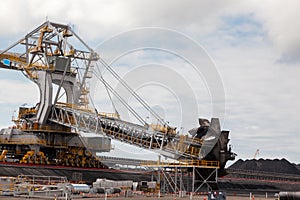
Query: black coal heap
column 298, row 167
column 267, row 165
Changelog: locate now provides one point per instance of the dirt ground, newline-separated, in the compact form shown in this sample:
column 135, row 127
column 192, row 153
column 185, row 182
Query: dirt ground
column 185, row 198
column 170, row 197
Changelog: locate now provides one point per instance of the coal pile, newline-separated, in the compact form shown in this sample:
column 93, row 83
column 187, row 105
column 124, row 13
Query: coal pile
column 266, row 165
column 263, row 175
column 298, row 167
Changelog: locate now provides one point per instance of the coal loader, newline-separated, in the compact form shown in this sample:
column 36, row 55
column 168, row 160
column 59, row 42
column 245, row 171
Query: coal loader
column 49, row 139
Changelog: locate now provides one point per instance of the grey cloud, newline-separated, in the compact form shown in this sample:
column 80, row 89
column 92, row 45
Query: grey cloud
column 260, row 72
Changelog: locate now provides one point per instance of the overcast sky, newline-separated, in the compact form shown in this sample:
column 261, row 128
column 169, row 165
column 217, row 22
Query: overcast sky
column 236, row 60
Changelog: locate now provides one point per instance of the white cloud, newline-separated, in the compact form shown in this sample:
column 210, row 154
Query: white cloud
column 18, row 92
column 14, row 93
column 280, row 19
column 95, row 19
column 246, row 39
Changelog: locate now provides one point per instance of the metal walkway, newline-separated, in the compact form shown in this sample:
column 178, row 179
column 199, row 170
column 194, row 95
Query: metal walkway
column 168, row 144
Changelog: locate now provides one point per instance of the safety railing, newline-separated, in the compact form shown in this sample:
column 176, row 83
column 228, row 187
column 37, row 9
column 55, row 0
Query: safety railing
column 183, row 163
column 22, row 141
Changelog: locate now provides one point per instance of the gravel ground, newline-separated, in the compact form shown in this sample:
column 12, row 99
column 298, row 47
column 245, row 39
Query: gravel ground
column 146, row 198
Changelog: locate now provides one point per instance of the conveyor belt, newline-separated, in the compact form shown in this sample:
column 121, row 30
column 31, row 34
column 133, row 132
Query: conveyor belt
column 170, row 145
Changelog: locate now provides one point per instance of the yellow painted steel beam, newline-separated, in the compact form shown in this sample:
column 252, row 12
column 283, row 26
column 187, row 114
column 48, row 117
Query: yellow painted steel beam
column 183, row 163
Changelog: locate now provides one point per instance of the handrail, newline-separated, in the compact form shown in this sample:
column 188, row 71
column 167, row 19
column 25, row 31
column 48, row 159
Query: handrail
column 23, row 141
column 183, row 163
